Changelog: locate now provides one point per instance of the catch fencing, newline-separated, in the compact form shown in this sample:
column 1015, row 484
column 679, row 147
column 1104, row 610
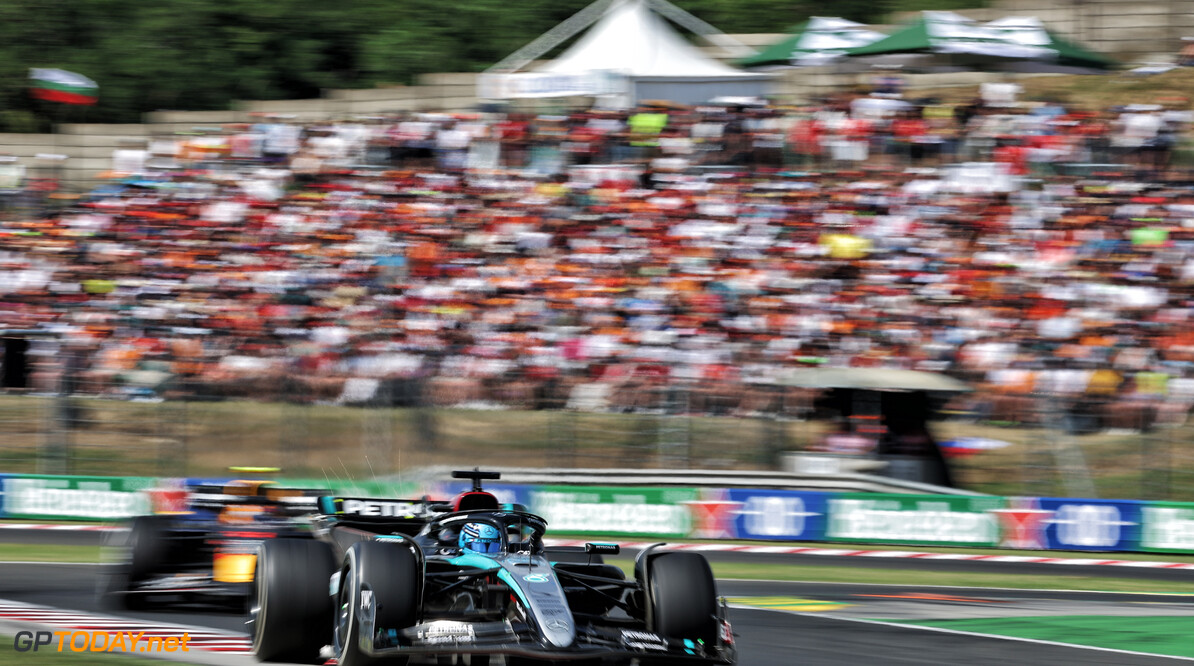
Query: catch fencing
column 1032, row 444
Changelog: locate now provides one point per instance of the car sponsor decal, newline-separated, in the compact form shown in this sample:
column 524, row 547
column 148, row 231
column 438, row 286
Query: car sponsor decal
column 644, row 640
column 446, row 632
column 377, row 508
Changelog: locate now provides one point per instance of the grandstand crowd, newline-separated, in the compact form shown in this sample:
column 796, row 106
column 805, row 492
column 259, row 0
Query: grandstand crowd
column 595, row 259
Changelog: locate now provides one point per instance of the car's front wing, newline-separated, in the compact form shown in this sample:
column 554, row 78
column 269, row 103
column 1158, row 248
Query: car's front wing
column 521, row 639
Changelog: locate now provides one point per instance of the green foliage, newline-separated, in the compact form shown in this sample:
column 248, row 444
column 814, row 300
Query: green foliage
column 205, row 54
column 939, row 5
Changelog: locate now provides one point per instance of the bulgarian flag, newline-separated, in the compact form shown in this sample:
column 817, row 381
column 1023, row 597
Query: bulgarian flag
column 59, row 85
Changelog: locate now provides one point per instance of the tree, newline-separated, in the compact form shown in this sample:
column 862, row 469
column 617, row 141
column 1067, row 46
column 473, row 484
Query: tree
column 206, row 54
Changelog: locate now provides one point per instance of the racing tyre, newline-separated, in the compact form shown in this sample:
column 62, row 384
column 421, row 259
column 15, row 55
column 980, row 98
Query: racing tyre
column 390, row 572
column 681, row 597
column 148, row 547
column 291, row 612
column 145, row 550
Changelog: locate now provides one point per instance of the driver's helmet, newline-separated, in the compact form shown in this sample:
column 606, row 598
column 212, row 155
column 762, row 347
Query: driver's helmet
column 481, row 537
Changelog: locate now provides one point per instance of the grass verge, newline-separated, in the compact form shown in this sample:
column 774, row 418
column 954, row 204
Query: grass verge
column 1156, row 635
column 20, row 552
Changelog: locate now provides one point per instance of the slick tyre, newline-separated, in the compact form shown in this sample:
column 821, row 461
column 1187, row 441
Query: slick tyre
column 682, row 598
column 291, row 612
column 148, row 547
column 390, row 573
column 144, row 551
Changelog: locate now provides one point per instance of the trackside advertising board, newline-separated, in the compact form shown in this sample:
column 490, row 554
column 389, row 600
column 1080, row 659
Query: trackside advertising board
column 1084, row 524
column 1167, row 527
column 779, row 515
column 648, row 512
column 1033, row 523
column 74, row 497
column 930, row 520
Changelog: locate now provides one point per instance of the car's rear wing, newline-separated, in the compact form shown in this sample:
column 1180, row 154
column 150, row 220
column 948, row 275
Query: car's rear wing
column 293, row 501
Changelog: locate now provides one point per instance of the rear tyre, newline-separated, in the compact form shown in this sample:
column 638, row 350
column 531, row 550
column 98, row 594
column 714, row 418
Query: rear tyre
column 391, row 572
column 144, row 550
column 682, row 597
column 291, row 612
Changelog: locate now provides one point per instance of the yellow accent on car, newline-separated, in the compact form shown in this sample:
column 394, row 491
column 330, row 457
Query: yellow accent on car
column 233, row 567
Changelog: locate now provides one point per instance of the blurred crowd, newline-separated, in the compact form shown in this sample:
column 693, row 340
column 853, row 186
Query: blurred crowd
column 604, row 260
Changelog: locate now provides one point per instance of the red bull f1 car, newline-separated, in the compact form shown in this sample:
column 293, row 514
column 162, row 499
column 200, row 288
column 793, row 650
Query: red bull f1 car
column 206, row 549
column 388, row 581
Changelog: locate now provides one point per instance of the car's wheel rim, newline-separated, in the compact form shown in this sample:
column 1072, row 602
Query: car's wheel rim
column 344, row 612
column 257, row 605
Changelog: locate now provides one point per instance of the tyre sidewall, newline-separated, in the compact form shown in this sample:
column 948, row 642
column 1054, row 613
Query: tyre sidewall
column 682, row 597
column 294, row 611
column 390, row 572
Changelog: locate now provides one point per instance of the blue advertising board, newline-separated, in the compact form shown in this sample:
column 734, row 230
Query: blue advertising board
column 779, row 515
column 1090, row 524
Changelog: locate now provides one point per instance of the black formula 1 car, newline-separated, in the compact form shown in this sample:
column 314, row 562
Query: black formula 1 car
column 207, row 552
column 459, row 582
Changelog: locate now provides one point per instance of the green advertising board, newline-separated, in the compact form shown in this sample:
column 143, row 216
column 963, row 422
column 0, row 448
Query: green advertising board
column 1167, row 527
column 929, row 520
column 74, row 497
column 637, row 512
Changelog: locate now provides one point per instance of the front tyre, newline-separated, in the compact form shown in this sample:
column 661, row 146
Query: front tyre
column 682, row 598
column 390, row 573
column 291, row 611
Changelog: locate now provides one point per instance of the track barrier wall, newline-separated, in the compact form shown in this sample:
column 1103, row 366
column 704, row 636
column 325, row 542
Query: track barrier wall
column 756, row 514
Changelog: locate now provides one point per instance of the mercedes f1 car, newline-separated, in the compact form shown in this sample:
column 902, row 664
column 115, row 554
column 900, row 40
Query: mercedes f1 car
column 388, row 581
column 207, row 551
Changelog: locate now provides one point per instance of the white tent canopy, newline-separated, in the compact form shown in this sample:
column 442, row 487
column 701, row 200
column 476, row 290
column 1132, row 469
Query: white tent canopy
column 632, row 43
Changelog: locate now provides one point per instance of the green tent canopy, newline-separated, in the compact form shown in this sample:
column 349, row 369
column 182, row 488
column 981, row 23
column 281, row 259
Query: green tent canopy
column 1013, row 43
column 1069, row 53
column 950, row 33
column 816, row 41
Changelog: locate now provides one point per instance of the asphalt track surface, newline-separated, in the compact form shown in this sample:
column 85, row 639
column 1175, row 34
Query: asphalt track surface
column 765, row 637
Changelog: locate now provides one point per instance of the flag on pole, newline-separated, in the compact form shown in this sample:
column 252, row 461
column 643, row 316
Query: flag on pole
column 59, row 85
